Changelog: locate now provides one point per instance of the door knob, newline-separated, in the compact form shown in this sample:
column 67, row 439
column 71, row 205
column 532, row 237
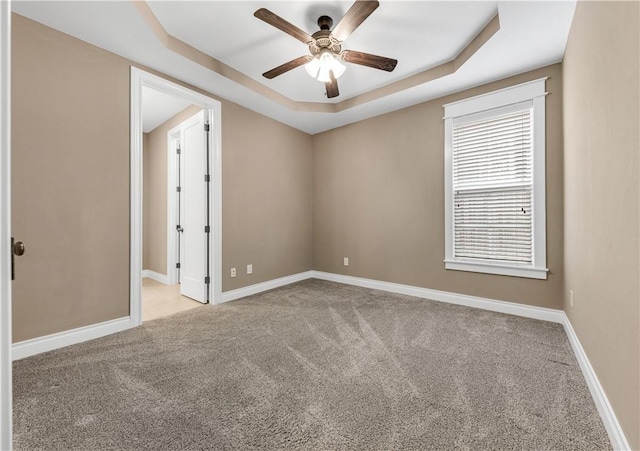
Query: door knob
column 18, row 248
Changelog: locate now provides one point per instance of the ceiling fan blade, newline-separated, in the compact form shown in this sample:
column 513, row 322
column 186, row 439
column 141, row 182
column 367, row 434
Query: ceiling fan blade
column 286, row 67
column 332, row 86
column 281, row 24
column 366, row 59
column 357, row 14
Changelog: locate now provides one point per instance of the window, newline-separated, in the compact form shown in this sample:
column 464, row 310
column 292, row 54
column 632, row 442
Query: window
column 495, row 182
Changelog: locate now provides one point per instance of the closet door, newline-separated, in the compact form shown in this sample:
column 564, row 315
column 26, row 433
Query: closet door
column 193, row 205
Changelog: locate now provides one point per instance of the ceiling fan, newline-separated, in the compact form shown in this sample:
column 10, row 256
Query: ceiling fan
column 325, row 45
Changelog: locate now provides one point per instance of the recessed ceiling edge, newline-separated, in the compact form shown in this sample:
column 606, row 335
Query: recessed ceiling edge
column 182, row 48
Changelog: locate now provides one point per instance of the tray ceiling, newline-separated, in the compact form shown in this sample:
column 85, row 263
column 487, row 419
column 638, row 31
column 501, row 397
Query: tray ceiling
column 219, row 46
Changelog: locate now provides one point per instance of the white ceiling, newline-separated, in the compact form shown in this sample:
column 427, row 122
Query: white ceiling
column 433, row 33
column 158, row 107
column 419, row 34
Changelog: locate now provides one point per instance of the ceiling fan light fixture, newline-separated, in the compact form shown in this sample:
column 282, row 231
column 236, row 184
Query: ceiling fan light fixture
column 313, row 67
column 320, row 66
column 323, row 74
column 337, row 67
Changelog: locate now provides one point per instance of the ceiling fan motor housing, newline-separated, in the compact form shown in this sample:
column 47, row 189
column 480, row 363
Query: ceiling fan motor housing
column 323, row 38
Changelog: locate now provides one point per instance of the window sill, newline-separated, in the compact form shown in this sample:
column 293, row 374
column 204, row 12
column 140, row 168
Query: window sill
column 497, row 268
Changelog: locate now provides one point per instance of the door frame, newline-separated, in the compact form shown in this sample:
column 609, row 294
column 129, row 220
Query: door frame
column 173, row 135
column 6, row 397
column 213, row 114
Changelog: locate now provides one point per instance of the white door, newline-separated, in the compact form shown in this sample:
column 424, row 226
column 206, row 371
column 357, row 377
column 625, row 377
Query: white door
column 193, row 210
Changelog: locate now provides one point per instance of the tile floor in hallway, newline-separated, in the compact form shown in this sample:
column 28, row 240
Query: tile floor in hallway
column 160, row 300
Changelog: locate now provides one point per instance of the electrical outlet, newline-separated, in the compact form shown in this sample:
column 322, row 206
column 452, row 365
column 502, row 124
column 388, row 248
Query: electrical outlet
column 233, row 272
column 571, row 298
column 346, row 261
column 249, row 269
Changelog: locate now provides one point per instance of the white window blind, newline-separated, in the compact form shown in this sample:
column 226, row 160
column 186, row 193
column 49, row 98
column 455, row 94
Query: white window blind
column 492, row 184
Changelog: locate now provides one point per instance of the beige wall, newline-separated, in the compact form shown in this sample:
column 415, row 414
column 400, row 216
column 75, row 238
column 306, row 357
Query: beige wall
column 146, row 164
column 379, row 200
column 71, row 186
column 70, row 181
column 155, row 193
column 602, row 146
column 266, row 199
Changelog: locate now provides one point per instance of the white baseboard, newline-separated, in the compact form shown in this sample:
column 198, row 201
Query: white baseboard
column 609, row 419
column 512, row 308
column 155, row 276
column 38, row 345
column 264, row 286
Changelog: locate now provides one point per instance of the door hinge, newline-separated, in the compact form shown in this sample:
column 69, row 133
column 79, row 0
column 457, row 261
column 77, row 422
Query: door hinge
column 178, row 151
column 207, row 178
column 207, row 229
column 179, row 189
column 177, row 265
column 206, row 127
column 207, row 280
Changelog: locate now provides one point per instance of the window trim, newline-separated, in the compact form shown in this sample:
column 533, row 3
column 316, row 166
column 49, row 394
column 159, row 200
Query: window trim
column 533, row 91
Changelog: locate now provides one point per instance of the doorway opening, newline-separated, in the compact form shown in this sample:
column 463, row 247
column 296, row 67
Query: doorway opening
column 175, row 151
column 178, row 249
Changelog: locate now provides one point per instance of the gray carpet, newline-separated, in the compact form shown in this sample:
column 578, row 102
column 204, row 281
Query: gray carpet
column 314, row 365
